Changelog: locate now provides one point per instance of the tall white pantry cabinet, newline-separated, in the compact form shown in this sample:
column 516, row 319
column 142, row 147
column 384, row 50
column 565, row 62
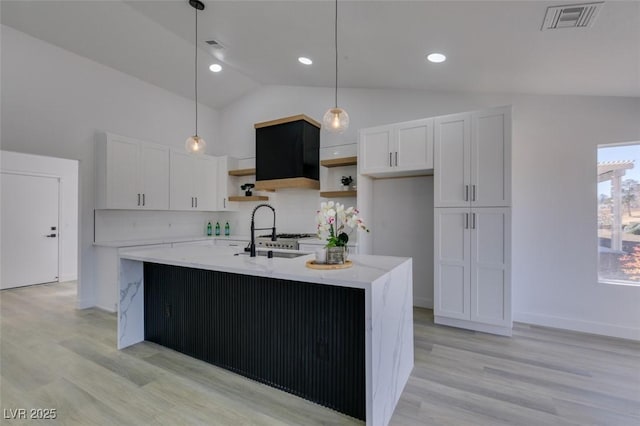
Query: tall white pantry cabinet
column 472, row 220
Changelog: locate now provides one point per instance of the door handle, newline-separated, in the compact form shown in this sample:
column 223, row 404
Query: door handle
column 224, row 203
column 51, row 236
column 473, row 221
column 138, row 198
column 390, row 164
column 143, row 202
column 191, row 202
column 466, row 192
column 473, row 193
column 466, row 221
column 196, row 202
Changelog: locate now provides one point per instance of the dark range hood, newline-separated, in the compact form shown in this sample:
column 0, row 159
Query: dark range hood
column 288, row 153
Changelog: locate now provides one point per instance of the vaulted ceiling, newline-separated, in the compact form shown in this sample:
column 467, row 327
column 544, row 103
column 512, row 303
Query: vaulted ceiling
column 491, row 46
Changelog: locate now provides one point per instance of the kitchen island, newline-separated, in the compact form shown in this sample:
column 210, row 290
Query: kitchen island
column 341, row 338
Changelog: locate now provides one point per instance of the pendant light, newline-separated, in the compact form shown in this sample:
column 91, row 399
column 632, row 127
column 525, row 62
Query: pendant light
column 195, row 144
column 336, row 119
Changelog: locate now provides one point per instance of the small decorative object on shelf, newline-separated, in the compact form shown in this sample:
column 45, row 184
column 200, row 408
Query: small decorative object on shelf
column 346, row 182
column 333, row 219
column 247, row 187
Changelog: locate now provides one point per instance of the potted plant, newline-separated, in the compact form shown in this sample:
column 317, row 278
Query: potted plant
column 333, row 219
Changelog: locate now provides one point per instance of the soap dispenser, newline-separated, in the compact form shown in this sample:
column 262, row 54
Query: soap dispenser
column 217, row 228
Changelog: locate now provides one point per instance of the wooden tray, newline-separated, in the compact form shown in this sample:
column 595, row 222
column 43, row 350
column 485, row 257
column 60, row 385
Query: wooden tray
column 313, row 265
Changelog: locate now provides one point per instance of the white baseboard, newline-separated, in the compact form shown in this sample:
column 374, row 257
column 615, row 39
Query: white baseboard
column 423, row 302
column 69, row 277
column 85, row 303
column 578, row 325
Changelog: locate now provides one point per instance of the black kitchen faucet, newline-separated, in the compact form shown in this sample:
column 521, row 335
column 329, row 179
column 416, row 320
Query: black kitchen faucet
column 252, row 246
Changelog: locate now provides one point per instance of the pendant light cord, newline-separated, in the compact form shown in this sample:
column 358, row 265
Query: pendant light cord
column 196, row 70
column 335, row 39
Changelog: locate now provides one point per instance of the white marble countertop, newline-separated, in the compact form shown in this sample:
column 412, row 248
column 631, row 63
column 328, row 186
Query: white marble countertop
column 365, row 270
column 168, row 240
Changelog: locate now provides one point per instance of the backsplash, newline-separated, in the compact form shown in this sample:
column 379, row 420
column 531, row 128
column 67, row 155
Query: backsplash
column 295, row 212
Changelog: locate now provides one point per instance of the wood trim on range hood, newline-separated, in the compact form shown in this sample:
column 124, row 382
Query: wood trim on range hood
column 299, row 182
column 288, row 120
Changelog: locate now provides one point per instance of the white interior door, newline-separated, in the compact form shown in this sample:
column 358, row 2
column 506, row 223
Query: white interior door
column 29, row 233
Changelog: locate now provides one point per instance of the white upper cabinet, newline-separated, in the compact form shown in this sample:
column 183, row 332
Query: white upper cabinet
column 131, row 174
column 193, row 182
column 491, row 158
column 375, row 146
column 401, row 149
column 473, row 159
column 154, row 172
column 225, row 185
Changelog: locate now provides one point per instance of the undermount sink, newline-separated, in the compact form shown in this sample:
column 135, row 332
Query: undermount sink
column 283, row 254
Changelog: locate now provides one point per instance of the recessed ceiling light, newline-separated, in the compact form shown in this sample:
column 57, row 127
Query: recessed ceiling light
column 215, row 67
column 436, row 57
column 304, row 60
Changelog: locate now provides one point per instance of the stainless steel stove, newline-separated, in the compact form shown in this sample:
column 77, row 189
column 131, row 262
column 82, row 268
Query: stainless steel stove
column 283, row 241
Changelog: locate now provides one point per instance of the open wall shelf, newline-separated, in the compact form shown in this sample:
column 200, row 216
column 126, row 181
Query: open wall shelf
column 251, row 198
column 339, row 162
column 242, row 172
column 338, row 194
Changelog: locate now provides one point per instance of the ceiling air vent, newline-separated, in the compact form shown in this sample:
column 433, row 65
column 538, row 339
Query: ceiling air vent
column 571, row 16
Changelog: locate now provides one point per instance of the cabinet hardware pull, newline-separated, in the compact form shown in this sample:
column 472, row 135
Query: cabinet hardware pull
column 466, row 192
column 466, row 221
column 473, row 193
column 191, row 202
column 138, row 199
column 143, row 202
column 224, row 203
column 473, row 221
column 390, row 164
column 396, row 158
column 196, row 202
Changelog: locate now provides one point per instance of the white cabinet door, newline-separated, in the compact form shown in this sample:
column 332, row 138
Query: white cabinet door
column 154, row 176
column 122, row 182
column 414, row 145
column 375, row 149
column 490, row 266
column 225, row 184
column 491, row 158
column 206, row 177
column 452, row 161
column 452, row 267
column 182, row 192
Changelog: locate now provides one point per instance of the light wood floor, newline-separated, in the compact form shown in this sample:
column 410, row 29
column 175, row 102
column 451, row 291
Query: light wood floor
column 54, row 356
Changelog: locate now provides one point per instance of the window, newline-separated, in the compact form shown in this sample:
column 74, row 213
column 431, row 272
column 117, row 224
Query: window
column 619, row 213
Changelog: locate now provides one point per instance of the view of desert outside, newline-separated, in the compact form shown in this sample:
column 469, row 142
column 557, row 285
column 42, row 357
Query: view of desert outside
column 619, row 213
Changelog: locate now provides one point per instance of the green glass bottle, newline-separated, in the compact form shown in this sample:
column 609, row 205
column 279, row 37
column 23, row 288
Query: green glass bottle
column 209, row 229
column 217, row 228
column 227, row 229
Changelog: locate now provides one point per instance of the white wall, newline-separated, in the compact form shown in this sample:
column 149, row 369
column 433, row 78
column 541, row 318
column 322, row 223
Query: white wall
column 554, row 185
column 67, row 172
column 54, row 102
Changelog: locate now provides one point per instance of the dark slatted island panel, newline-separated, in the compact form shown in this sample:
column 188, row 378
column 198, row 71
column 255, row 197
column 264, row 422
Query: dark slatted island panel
column 306, row 339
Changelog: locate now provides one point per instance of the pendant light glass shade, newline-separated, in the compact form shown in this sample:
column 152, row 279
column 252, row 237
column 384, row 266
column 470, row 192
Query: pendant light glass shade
column 336, row 120
column 195, row 144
